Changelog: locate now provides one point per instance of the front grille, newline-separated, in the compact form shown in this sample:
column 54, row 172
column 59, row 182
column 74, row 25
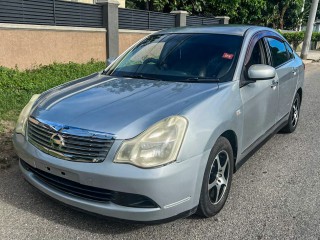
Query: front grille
column 84, row 147
column 88, row 192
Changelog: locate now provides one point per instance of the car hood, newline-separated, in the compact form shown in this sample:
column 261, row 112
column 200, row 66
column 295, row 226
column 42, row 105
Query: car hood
column 120, row 106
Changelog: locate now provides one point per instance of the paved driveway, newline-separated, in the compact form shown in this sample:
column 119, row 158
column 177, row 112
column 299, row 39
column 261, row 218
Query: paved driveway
column 275, row 195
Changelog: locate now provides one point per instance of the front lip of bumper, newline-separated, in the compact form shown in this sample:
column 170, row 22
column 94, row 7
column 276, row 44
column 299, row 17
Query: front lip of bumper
column 174, row 189
column 101, row 209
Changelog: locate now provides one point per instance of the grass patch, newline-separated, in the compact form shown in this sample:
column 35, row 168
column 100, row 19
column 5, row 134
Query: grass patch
column 17, row 87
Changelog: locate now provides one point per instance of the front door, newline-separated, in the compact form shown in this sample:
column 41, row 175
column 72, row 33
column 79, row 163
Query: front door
column 259, row 99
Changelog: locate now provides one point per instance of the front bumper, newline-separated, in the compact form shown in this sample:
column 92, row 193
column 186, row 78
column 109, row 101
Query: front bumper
column 175, row 188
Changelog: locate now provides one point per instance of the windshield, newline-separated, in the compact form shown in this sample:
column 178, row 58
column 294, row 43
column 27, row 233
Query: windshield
column 181, row 57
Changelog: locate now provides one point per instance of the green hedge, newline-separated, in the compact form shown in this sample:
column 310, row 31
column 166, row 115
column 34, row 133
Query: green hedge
column 295, row 38
column 17, row 87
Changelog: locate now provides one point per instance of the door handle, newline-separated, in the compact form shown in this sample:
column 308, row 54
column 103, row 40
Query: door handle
column 274, row 84
column 294, row 71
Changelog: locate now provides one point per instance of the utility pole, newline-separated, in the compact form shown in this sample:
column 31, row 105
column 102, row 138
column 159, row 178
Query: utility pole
column 308, row 34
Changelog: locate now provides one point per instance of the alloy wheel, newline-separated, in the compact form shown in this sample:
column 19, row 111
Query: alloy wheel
column 218, row 177
column 295, row 113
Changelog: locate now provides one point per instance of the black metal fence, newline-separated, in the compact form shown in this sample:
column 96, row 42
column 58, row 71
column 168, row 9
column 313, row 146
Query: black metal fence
column 51, row 12
column 62, row 13
column 145, row 20
column 196, row 20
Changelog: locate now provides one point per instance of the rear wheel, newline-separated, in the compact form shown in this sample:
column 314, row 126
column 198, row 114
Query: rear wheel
column 294, row 116
column 217, row 179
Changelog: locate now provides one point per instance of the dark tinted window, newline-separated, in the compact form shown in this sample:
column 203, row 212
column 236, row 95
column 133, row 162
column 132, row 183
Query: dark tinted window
column 182, row 57
column 278, row 51
column 257, row 55
column 290, row 51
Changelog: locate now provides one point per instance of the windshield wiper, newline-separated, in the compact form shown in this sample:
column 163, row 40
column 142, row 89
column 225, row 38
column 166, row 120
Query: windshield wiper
column 104, row 72
column 140, row 76
column 202, row 79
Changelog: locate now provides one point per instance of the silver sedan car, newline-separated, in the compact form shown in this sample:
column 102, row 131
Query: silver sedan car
column 160, row 132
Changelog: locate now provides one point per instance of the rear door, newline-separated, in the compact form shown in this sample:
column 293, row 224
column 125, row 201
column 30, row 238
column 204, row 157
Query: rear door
column 282, row 59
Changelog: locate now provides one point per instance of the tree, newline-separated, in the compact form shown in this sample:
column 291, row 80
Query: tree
column 307, row 10
column 283, row 7
column 283, row 14
column 294, row 16
column 240, row 11
column 250, row 12
column 274, row 13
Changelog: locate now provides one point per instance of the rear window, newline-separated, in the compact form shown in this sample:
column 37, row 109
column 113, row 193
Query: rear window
column 278, row 51
column 290, row 51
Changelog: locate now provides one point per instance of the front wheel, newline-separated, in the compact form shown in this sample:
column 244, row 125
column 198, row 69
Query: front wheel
column 294, row 116
column 217, row 179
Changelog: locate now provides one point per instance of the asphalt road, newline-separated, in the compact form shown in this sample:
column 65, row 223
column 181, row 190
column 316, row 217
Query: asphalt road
column 275, row 195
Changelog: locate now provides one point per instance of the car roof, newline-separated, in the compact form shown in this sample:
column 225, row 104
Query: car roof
column 238, row 30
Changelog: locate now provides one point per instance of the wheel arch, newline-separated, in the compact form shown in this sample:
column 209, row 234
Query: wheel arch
column 300, row 94
column 231, row 136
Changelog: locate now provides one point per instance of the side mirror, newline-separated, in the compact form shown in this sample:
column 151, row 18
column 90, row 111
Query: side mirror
column 261, row 72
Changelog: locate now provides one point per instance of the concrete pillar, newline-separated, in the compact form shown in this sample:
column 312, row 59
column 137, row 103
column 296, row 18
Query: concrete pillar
column 181, row 18
column 111, row 22
column 223, row 19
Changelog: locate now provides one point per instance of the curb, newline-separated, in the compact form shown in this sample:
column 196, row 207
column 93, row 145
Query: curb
column 307, row 61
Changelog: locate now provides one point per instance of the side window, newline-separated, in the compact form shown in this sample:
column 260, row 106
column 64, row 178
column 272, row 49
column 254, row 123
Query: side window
column 258, row 55
column 278, row 51
column 290, row 51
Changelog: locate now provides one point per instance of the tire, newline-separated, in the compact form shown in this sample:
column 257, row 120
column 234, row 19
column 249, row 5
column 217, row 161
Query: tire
column 293, row 117
column 221, row 158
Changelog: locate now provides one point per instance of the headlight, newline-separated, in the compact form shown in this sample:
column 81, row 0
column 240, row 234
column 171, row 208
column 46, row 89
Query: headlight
column 156, row 146
column 22, row 120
